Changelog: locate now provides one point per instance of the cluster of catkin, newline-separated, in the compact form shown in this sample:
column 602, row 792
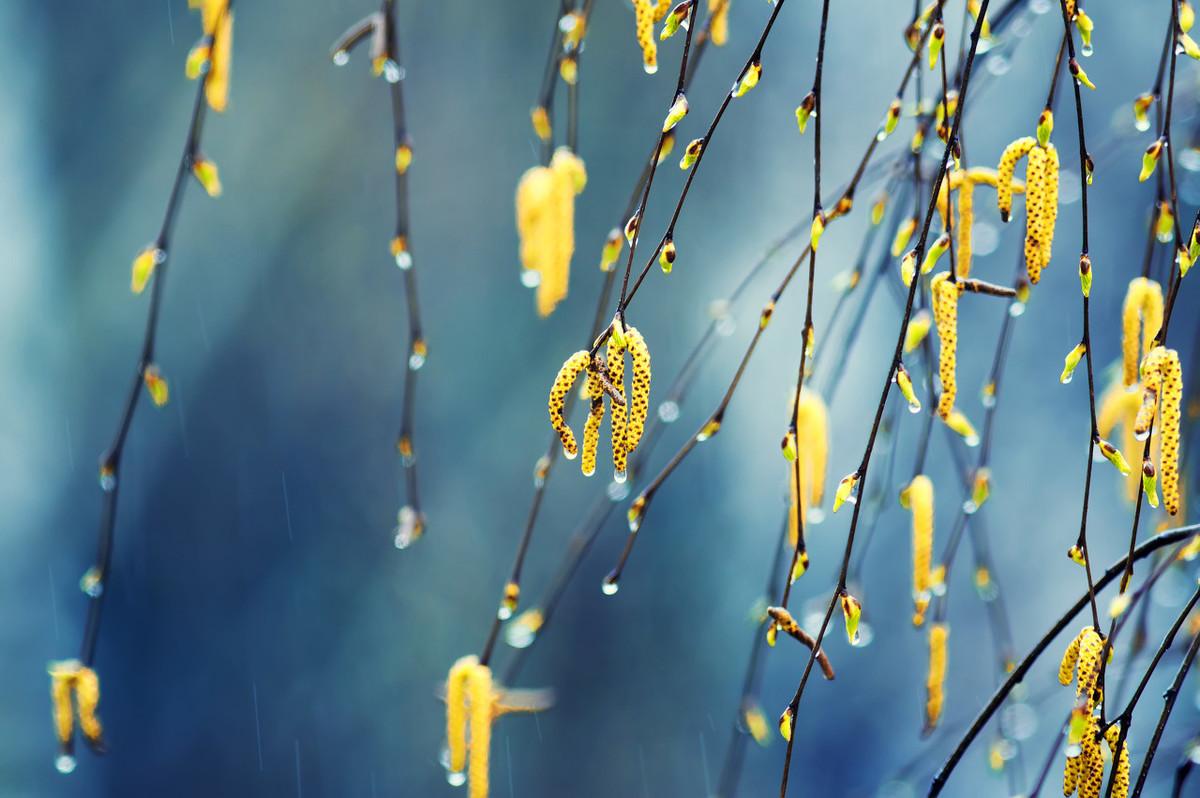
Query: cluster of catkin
column 473, row 702
column 1041, row 186
column 646, row 13
column 1162, row 380
column 546, row 225
column 74, row 690
column 1084, row 770
column 606, row 376
column 964, row 182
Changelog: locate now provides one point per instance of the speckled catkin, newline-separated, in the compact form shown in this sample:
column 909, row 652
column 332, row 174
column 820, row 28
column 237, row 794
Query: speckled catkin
column 1004, row 173
column 482, row 698
column 639, row 389
column 591, row 427
column 620, row 415
column 558, row 396
column 945, row 315
column 1142, row 311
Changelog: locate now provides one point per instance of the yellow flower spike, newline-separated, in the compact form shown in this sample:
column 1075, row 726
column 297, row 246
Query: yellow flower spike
column 1141, row 105
column 755, row 722
column 156, row 385
column 818, row 228
column 878, row 208
column 1079, row 74
column 545, row 214
column 508, row 604
column 143, row 267
column 571, row 369
column 920, row 500
column 787, row 722
column 1150, row 160
column 1141, row 312
column 1075, row 555
column 852, row 614
column 216, row 86
column 1164, row 226
column 87, row 700
column 748, row 80
column 961, row 425
column 1185, row 260
column 644, row 20
column 918, row 328
column 206, row 174
column 674, row 20
column 668, row 144
column 1190, row 48
column 611, row 250
column 198, row 59
column 945, row 313
column 1091, row 644
column 639, row 393
column 890, row 120
column 804, row 111
column 811, row 441
column 691, row 154
column 935, row 252
column 962, row 230
column 1004, row 173
column 404, row 156
column 936, row 677
column 936, row 39
column 719, row 21
column 908, row 267
column 1187, row 16
column 1041, row 208
column 676, row 112
column 62, row 677
column 1121, row 774
column 1045, row 126
column 631, row 226
column 617, row 345
column 844, row 490
column 1066, row 668
column 1085, row 275
column 482, row 696
column 540, row 118
column 905, row 384
column 591, row 427
column 1162, row 373
column 903, row 234
column 1114, row 456
column 1086, row 26
column 1071, row 361
column 973, row 7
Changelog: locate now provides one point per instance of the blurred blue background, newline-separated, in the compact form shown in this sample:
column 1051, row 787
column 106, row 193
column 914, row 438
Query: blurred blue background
column 263, row 636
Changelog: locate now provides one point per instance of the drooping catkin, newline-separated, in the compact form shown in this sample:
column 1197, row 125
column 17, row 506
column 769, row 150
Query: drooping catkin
column 1121, row 774
column 1071, row 775
column 571, row 369
column 1091, row 772
column 1142, row 311
column 639, row 389
column 1004, row 173
column 962, row 231
column 812, row 453
column 945, row 315
column 1070, row 658
column 620, row 415
column 646, row 13
column 1041, row 208
column 456, row 712
column 87, row 701
column 591, row 427
column 481, row 694
column 936, row 677
column 919, row 497
column 61, row 676
column 1162, row 378
column 719, row 32
column 546, row 224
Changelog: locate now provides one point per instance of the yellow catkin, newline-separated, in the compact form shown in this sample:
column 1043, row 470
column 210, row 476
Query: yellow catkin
column 61, row 678
column 620, row 415
column 216, row 86
column 481, row 694
column 719, row 32
column 456, row 712
column 812, row 453
column 558, row 396
column 1090, row 646
column 1121, row 775
column 1091, row 774
column 545, row 206
column 1071, row 776
column 936, row 678
column 1066, row 668
column 639, row 389
column 1004, row 173
column 1143, row 310
column 1162, row 377
column 920, row 500
column 591, row 427
column 1041, row 208
column 945, row 315
column 962, row 231
column 644, row 22
column 87, row 701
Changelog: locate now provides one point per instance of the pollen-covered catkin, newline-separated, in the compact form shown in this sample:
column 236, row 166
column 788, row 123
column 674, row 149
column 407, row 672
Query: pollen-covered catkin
column 482, row 698
column 591, row 427
column 456, row 712
column 1071, row 776
column 1070, row 658
column 1162, row 377
column 945, row 315
column 639, row 388
column 1121, row 774
column 919, row 496
column 1142, row 311
column 1041, row 208
column 1090, row 646
column 644, row 18
column 1091, row 772
column 620, row 415
column 1004, row 173
column 558, row 396
column 546, row 224
column 936, row 678
column 87, row 700
column 962, row 232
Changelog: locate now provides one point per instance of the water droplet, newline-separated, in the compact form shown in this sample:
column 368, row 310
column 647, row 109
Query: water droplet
column 1040, row 6
column 914, row 409
column 1018, row 721
column 1067, row 381
column 90, row 583
column 1073, row 750
column 108, row 480
column 619, row 477
column 865, row 635
column 570, row 455
column 998, row 65
column 393, row 72
column 409, row 527
column 456, row 778
column 726, row 326
column 984, row 238
column 519, row 635
column 64, row 763
column 617, row 491
column 668, row 412
column 988, row 400
column 531, row 278
column 415, row 361
column 650, row 68
column 969, row 507
column 815, row 515
column 609, row 586
column 504, row 613
column 404, row 260
column 1016, row 309
column 1086, row 50
column 1188, row 158
column 971, row 440
column 341, row 58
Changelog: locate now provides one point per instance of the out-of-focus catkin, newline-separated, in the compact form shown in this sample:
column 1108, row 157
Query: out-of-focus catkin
column 812, row 454
column 1162, row 380
column 482, row 707
column 719, row 21
column 945, row 315
column 456, row 712
column 546, row 224
column 919, row 498
column 936, row 677
column 1142, row 311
